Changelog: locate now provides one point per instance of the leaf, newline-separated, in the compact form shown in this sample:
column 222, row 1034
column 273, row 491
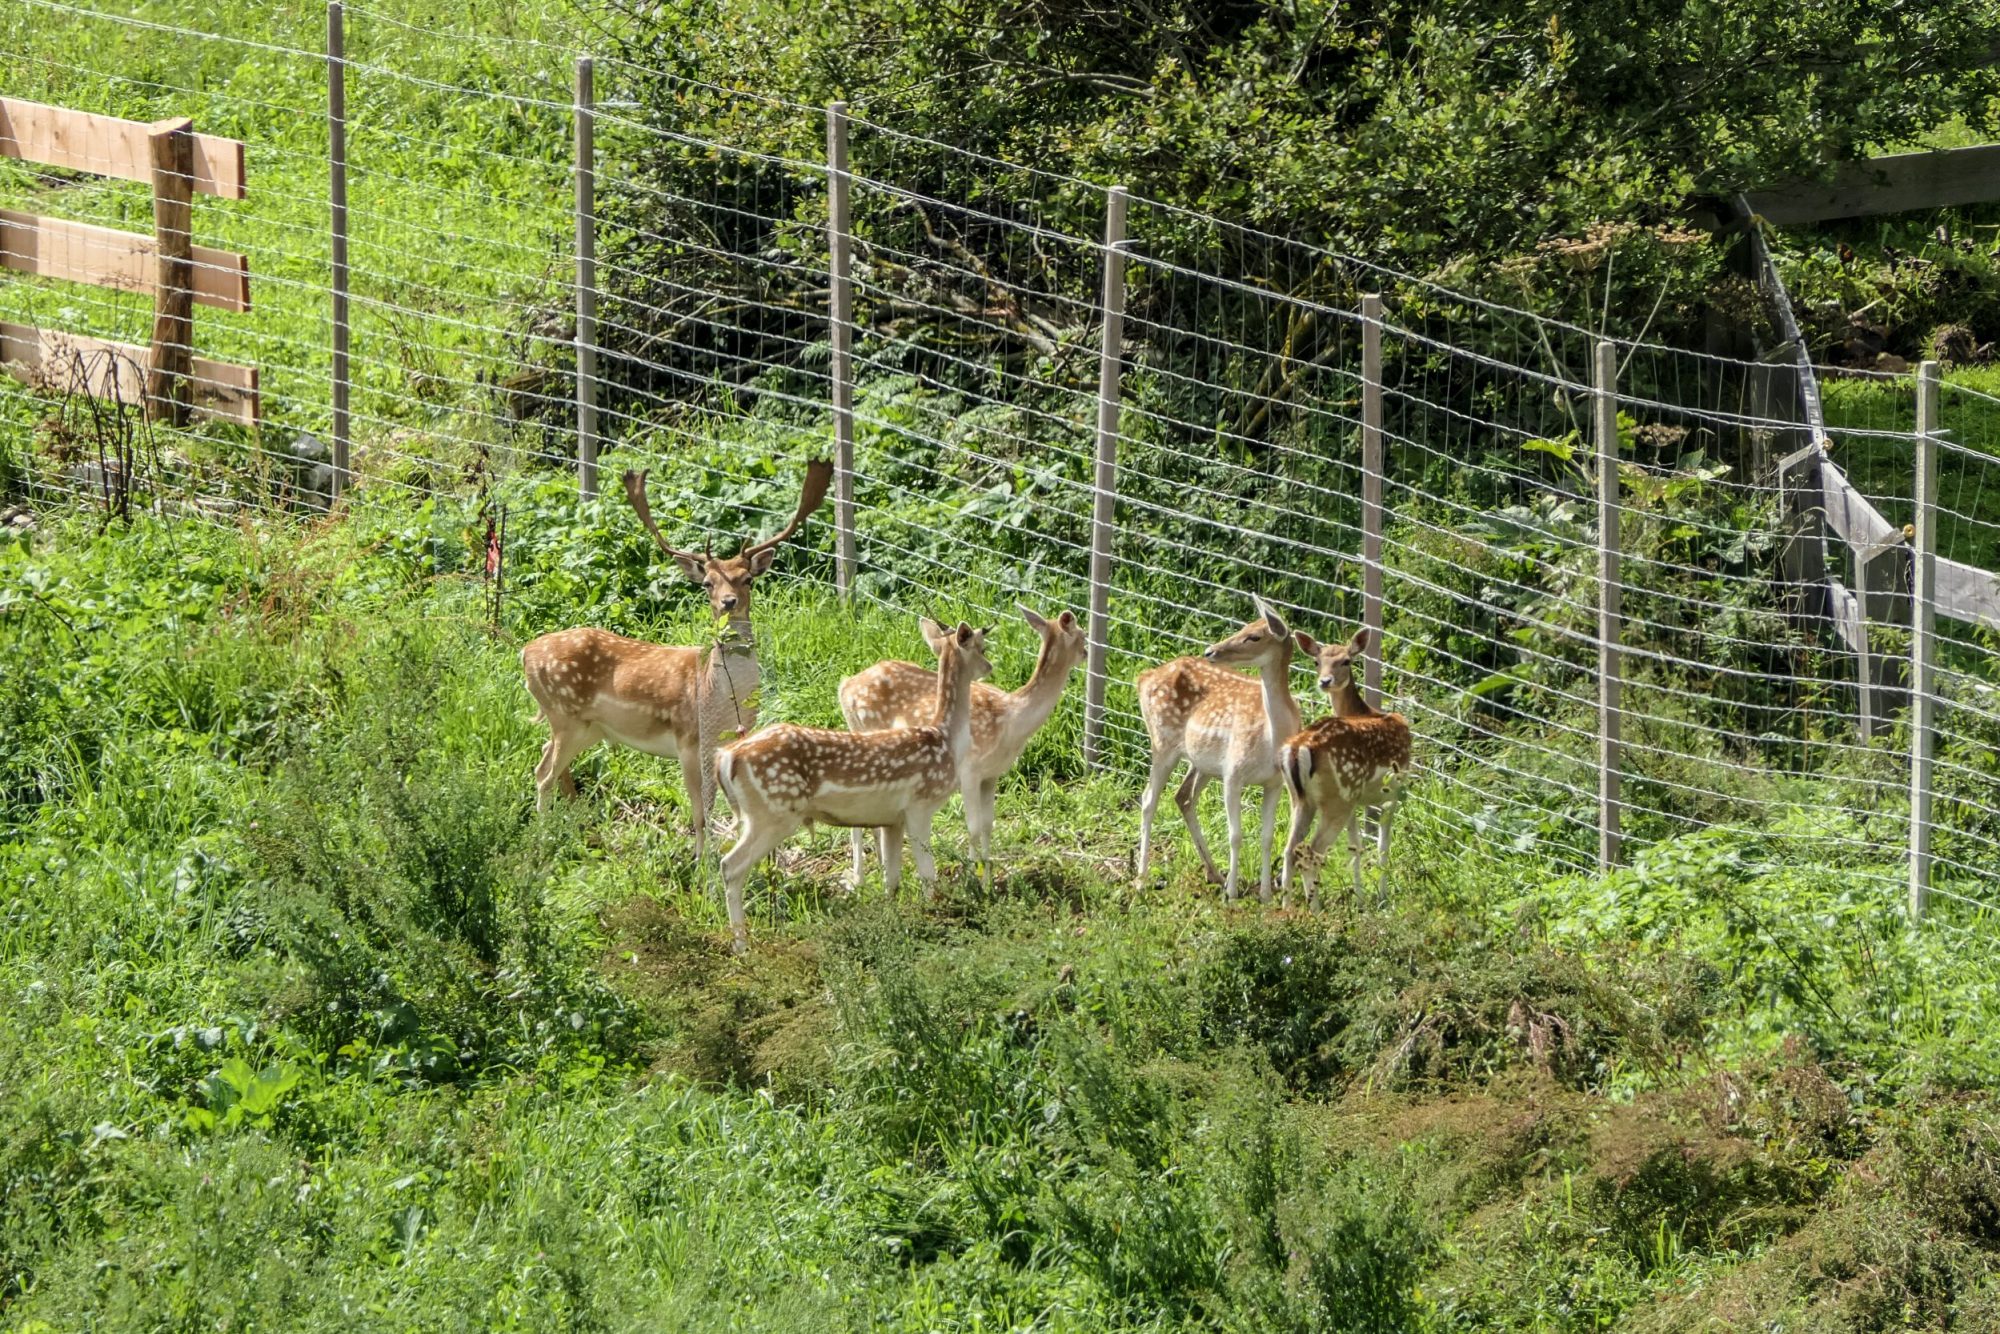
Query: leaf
column 1500, row 681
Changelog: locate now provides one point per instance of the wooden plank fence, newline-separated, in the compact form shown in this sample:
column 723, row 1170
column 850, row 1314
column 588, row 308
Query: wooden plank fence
column 165, row 376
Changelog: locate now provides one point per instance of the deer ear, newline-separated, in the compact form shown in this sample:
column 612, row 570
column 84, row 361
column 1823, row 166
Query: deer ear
column 1034, row 620
column 1359, row 644
column 1272, row 621
column 964, row 634
column 760, row 561
column 1307, row 644
column 934, row 634
column 1067, row 620
column 693, row 567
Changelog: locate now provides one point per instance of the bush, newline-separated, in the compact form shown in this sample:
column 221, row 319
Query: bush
column 406, row 879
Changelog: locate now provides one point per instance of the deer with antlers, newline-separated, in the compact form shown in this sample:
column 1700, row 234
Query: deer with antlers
column 902, row 694
column 894, row 780
column 1334, row 769
column 593, row 685
column 1229, row 726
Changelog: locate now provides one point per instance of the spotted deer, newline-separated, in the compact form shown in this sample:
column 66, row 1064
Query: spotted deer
column 678, row 702
column 902, row 694
column 1334, row 769
column 1229, row 726
column 894, row 780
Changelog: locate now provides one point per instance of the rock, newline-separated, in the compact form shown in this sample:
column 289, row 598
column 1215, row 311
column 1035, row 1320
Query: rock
column 312, row 471
column 94, row 478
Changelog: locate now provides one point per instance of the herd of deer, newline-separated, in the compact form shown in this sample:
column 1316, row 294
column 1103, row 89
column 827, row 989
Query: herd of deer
column 917, row 736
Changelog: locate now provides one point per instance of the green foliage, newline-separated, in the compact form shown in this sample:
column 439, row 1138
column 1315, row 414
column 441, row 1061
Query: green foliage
column 307, row 1010
column 1388, row 131
column 308, row 1020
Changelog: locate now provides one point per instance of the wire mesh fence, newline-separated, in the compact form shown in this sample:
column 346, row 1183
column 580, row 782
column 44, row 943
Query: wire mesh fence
column 1764, row 638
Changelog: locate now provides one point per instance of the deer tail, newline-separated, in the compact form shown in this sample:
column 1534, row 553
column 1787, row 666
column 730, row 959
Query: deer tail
column 725, row 778
column 1296, row 763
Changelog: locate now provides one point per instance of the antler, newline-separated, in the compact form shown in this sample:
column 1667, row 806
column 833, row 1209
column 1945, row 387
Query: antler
column 819, row 475
column 635, row 491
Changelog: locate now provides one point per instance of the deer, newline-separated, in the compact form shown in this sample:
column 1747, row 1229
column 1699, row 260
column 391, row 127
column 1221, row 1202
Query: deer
column 1358, row 757
column 894, row 780
column 1229, row 726
column 902, row 694
column 673, row 701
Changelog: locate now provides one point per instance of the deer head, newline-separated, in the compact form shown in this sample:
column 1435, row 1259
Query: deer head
column 968, row 642
column 1063, row 640
column 1257, row 642
column 970, row 645
column 727, row 579
column 1334, row 664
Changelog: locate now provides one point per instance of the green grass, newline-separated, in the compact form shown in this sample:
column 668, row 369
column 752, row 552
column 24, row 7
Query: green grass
column 1884, row 468
column 459, row 204
column 310, row 1022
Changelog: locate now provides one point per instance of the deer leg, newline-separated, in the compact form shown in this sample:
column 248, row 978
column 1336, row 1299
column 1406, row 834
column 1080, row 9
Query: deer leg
column 1266, row 831
column 754, row 841
column 705, row 801
column 979, row 828
column 1331, row 823
column 917, row 824
column 698, row 801
column 1188, row 798
column 891, row 836
column 1384, row 819
column 1156, row 782
column 541, row 773
column 560, row 751
column 1302, row 818
column 858, row 839
column 1232, row 810
column 1354, row 844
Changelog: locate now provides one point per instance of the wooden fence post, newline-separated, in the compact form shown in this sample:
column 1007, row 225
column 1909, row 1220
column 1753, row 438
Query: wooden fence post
column 1923, row 640
column 840, row 322
column 336, row 156
column 1883, row 580
column 586, row 278
column 1802, row 560
column 1610, row 665
column 1371, row 493
column 167, row 389
column 1104, row 509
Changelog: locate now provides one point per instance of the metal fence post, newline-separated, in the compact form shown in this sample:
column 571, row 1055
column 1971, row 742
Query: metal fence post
column 1610, row 665
column 586, row 278
column 1104, row 509
column 1371, row 493
column 840, row 321
column 1923, row 640
column 336, row 156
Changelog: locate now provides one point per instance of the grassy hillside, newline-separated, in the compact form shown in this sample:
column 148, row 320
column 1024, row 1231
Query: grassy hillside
column 310, row 1022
